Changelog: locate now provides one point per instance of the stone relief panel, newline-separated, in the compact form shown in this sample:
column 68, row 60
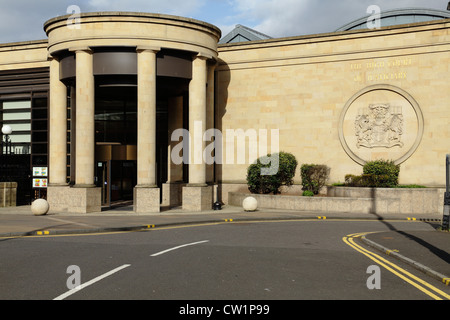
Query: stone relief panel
column 379, row 125
column 381, row 122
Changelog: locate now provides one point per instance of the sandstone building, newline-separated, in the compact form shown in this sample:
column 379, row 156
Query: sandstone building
column 95, row 107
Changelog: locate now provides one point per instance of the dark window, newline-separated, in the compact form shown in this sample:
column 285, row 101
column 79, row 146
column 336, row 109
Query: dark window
column 116, row 115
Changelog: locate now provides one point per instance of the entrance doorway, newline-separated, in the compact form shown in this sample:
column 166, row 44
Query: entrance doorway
column 116, row 139
column 117, row 179
column 116, row 134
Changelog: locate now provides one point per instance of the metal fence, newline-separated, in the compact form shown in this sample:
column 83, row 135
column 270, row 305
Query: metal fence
column 16, row 168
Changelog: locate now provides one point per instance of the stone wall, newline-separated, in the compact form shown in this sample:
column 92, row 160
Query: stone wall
column 23, row 55
column 355, row 200
column 8, row 194
column 314, row 89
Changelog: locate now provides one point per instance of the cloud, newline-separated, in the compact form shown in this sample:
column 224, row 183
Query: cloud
column 22, row 20
column 281, row 18
column 174, row 7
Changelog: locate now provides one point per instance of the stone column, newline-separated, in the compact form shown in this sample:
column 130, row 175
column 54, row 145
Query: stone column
column 210, row 124
column 146, row 193
column 85, row 124
column 58, row 128
column 172, row 189
column 86, row 198
column 210, row 117
column 175, row 170
column 197, row 196
column 57, row 190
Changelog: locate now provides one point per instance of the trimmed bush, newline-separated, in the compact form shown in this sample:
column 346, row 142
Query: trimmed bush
column 376, row 174
column 384, row 173
column 260, row 183
column 364, row 180
column 314, row 177
column 308, row 193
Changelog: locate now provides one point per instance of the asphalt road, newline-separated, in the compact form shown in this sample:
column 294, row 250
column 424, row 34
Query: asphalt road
column 304, row 260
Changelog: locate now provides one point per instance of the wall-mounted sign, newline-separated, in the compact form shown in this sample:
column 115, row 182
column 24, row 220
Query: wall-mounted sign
column 39, row 171
column 39, row 177
column 39, row 183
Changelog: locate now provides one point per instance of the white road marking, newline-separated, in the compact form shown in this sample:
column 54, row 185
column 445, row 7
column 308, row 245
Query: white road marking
column 69, row 222
column 84, row 285
column 178, row 247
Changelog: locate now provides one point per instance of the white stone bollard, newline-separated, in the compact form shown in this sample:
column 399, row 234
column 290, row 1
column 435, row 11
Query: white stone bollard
column 40, row 207
column 250, row 204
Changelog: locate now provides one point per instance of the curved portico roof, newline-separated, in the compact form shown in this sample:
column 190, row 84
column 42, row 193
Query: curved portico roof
column 132, row 29
column 398, row 17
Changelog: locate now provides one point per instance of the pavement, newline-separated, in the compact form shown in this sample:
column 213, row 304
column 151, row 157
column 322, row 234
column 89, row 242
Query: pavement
column 427, row 251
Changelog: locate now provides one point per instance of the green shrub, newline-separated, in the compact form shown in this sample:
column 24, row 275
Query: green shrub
column 384, row 173
column 338, row 184
column 352, row 180
column 260, row 182
column 364, row 180
column 411, row 186
column 308, row 193
column 314, row 177
column 376, row 174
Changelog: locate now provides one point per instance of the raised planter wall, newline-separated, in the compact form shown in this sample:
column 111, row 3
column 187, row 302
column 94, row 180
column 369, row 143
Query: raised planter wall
column 427, row 201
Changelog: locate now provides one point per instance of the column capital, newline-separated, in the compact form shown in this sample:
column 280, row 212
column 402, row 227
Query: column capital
column 52, row 57
column 84, row 48
column 147, row 48
column 203, row 56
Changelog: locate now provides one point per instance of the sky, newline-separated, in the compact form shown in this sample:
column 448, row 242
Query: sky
column 22, row 20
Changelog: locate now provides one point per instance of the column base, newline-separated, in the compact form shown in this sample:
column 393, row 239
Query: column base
column 172, row 194
column 57, row 197
column 146, row 199
column 197, row 198
column 74, row 199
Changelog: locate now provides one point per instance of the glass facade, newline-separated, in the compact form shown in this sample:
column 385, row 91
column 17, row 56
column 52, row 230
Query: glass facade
column 116, row 115
column 17, row 114
column 27, row 116
column 39, row 129
column 28, row 121
column 398, row 17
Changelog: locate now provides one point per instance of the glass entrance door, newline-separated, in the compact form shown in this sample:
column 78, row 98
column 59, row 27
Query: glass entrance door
column 117, row 179
column 123, row 180
column 103, row 178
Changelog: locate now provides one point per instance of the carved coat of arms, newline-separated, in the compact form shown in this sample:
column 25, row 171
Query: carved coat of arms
column 379, row 125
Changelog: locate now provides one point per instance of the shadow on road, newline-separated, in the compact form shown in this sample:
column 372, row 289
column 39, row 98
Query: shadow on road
column 436, row 251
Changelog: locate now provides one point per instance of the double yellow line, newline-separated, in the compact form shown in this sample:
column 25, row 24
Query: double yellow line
column 420, row 284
